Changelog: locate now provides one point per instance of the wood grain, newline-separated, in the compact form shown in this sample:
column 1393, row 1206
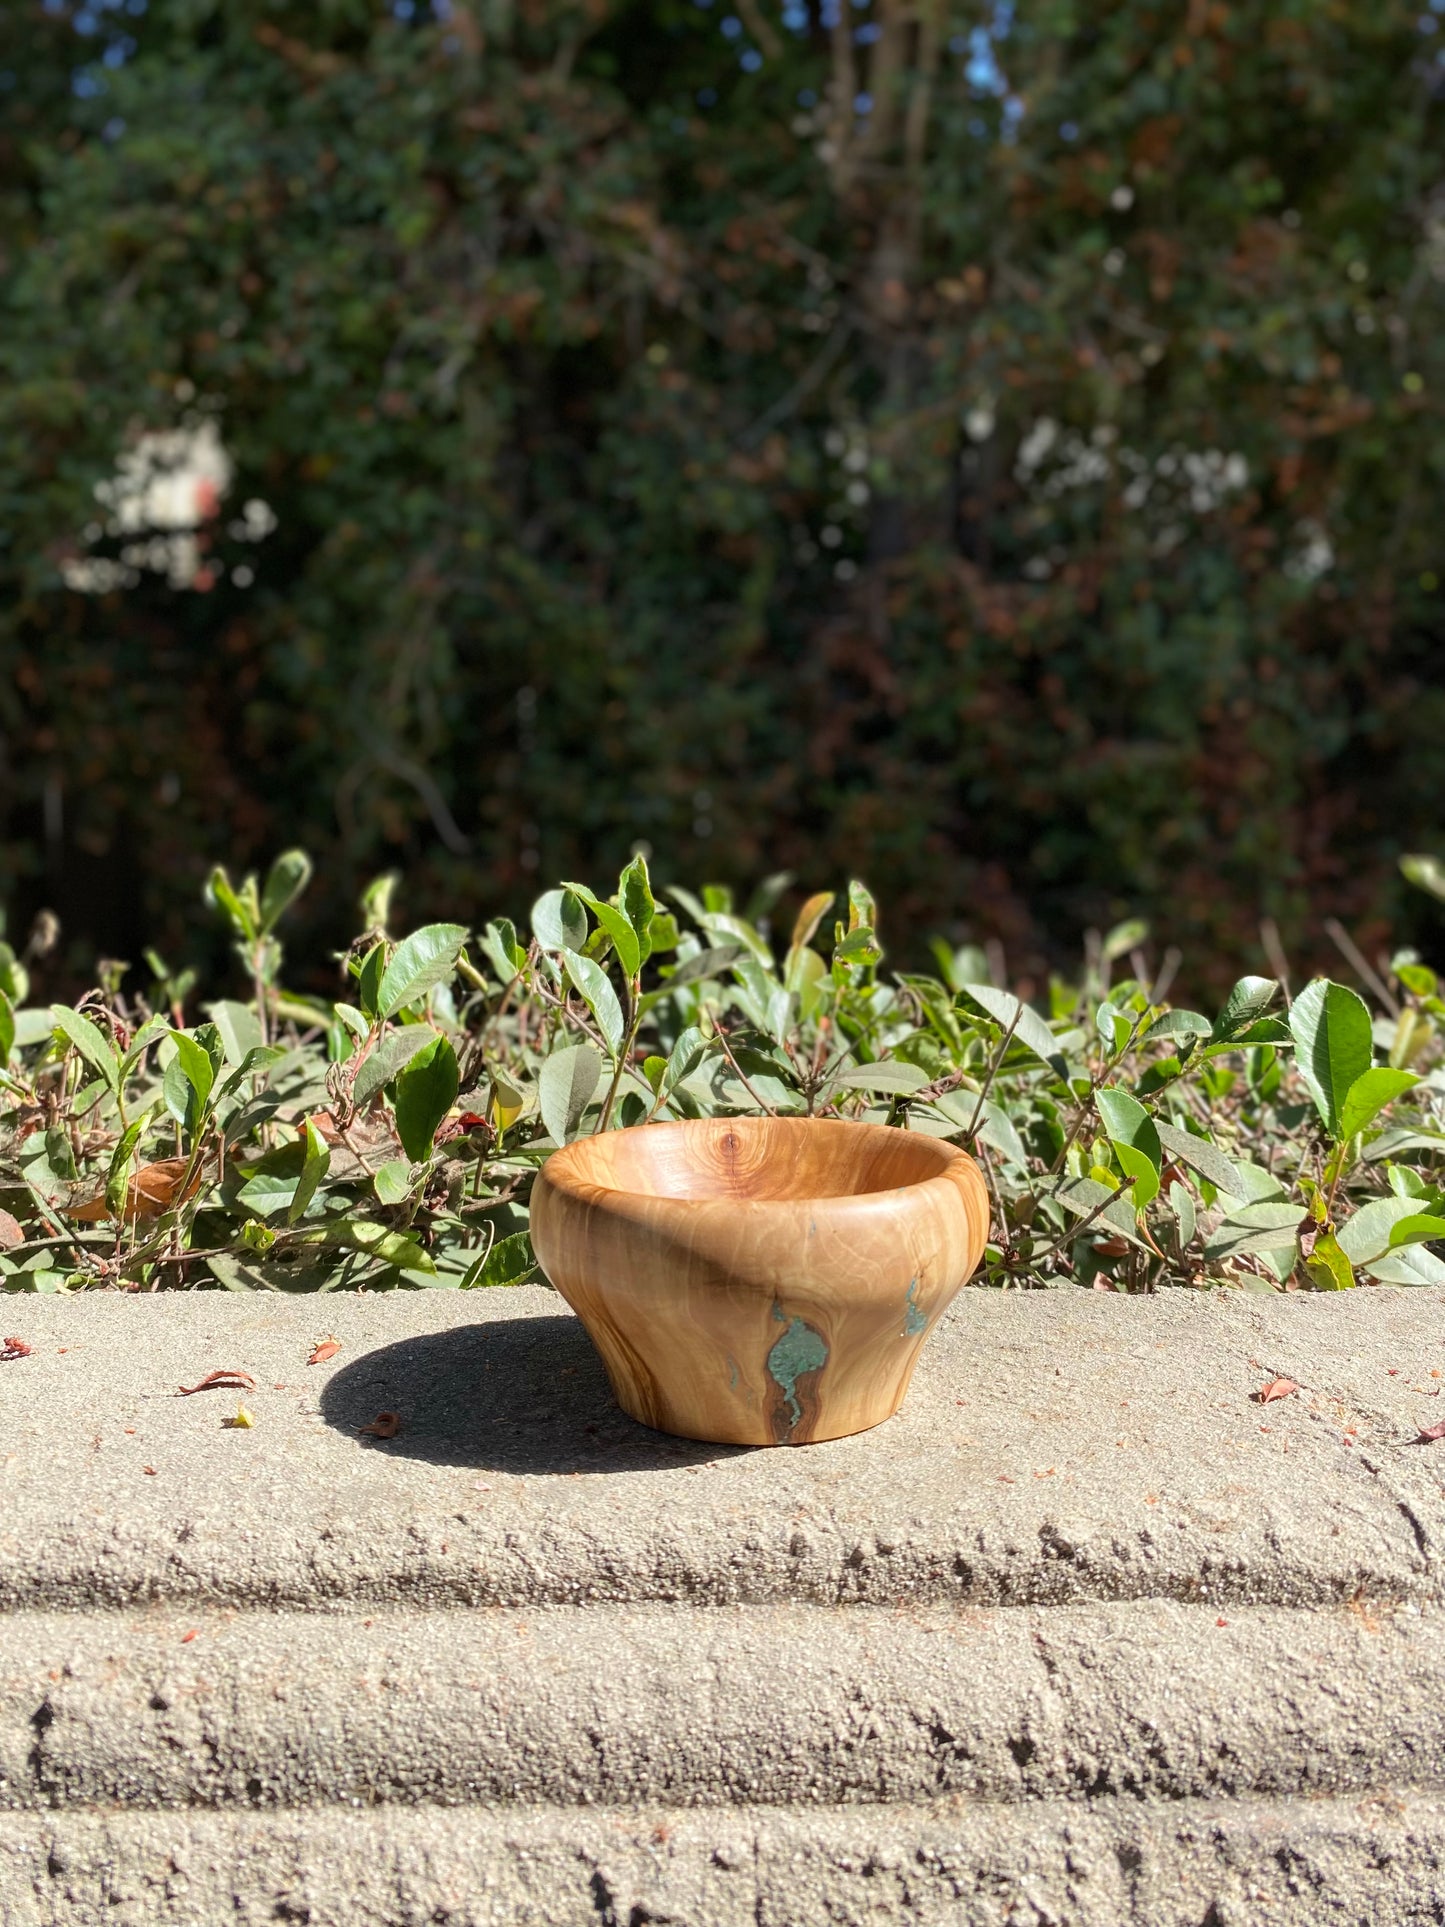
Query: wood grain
column 759, row 1280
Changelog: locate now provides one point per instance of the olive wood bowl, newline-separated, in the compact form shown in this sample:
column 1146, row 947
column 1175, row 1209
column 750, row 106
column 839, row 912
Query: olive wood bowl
column 759, row 1280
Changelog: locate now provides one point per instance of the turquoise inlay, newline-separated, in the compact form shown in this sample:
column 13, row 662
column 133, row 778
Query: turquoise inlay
column 799, row 1351
column 732, row 1373
column 914, row 1321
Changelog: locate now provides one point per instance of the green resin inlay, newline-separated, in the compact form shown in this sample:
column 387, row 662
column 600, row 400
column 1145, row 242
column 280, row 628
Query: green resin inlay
column 914, row 1321
column 799, row 1351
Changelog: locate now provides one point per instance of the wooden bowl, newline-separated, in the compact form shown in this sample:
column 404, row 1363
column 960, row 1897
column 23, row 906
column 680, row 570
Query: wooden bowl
column 759, row 1280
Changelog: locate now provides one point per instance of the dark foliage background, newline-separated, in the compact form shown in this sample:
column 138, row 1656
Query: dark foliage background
column 994, row 453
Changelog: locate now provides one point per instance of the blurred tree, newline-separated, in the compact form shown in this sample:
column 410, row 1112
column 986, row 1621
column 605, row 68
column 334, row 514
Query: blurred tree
column 997, row 452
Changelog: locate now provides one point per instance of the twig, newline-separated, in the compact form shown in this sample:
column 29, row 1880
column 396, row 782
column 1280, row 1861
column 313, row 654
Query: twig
column 721, row 1036
column 1274, row 950
column 993, row 1069
column 1350, row 951
column 1068, row 1235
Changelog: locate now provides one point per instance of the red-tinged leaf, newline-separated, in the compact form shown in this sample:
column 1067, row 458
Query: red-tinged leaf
column 11, row 1232
column 15, row 1348
column 320, row 1353
column 1276, row 1388
column 385, row 1425
column 221, row 1381
column 1429, row 1433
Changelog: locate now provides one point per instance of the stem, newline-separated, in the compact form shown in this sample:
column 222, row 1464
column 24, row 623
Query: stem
column 992, row 1071
column 1071, row 1232
column 624, row 1056
column 738, row 1073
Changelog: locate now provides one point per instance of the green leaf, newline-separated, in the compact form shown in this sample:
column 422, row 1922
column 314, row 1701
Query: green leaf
column 1368, row 1096
column 419, row 963
column 860, row 946
column 1273, row 1224
column 221, row 895
column 1123, row 938
column 239, row 1027
column 893, row 1077
column 117, row 1182
column 1366, row 1236
column 392, row 1182
column 511, row 1261
column 1179, row 1023
column 1334, row 1045
column 285, row 880
column 1182, row 1206
column 368, row 980
column 1250, row 998
column 624, row 938
column 252, row 1064
column 1413, row 1265
column 558, row 921
column 599, row 996
column 7, row 1029
column 502, row 951
column 392, row 1052
column 353, row 1021
column 1031, row 1031
column 683, row 1058
column 634, row 893
column 1135, row 1140
column 196, row 1066
column 707, row 963
column 97, row 1050
column 272, row 1184
column 425, row 1092
column 391, row 1247
column 564, row 1089
column 997, row 1129
column 14, row 977
column 1201, row 1156
column 314, row 1166
column 1416, row 1231
column 1426, row 873
column 1328, row 1267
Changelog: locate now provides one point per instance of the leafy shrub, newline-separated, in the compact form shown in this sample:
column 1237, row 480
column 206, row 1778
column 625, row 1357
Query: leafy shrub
column 390, row 1137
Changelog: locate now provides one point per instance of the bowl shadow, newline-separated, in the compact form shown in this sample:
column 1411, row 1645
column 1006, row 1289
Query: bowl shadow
column 523, row 1395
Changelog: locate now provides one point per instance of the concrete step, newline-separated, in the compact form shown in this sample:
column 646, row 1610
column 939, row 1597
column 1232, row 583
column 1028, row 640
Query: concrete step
column 1378, row 1862
column 1086, row 1635
column 1057, row 1447
column 753, row 1705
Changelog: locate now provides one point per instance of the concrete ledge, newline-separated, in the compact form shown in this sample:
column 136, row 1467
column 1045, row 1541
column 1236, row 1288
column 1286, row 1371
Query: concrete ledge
column 765, row 1705
column 946, row 1864
column 1086, row 1635
column 1057, row 1447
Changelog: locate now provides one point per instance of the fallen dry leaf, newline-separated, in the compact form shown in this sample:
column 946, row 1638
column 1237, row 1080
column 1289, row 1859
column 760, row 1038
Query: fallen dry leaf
column 186, row 1638
column 1429, row 1433
column 242, row 1422
column 221, row 1381
column 320, row 1353
column 11, row 1232
column 154, row 1188
column 15, row 1348
column 385, row 1425
column 1276, row 1388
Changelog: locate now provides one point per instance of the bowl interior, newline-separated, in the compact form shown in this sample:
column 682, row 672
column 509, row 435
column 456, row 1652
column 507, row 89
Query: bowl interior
column 762, row 1160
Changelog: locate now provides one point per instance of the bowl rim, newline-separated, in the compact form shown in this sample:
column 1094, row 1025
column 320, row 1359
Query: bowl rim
column 559, row 1173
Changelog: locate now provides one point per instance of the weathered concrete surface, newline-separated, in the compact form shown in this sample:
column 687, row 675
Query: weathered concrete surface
column 1086, row 1635
column 1377, row 1862
column 1056, row 1447
column 770, row 1705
